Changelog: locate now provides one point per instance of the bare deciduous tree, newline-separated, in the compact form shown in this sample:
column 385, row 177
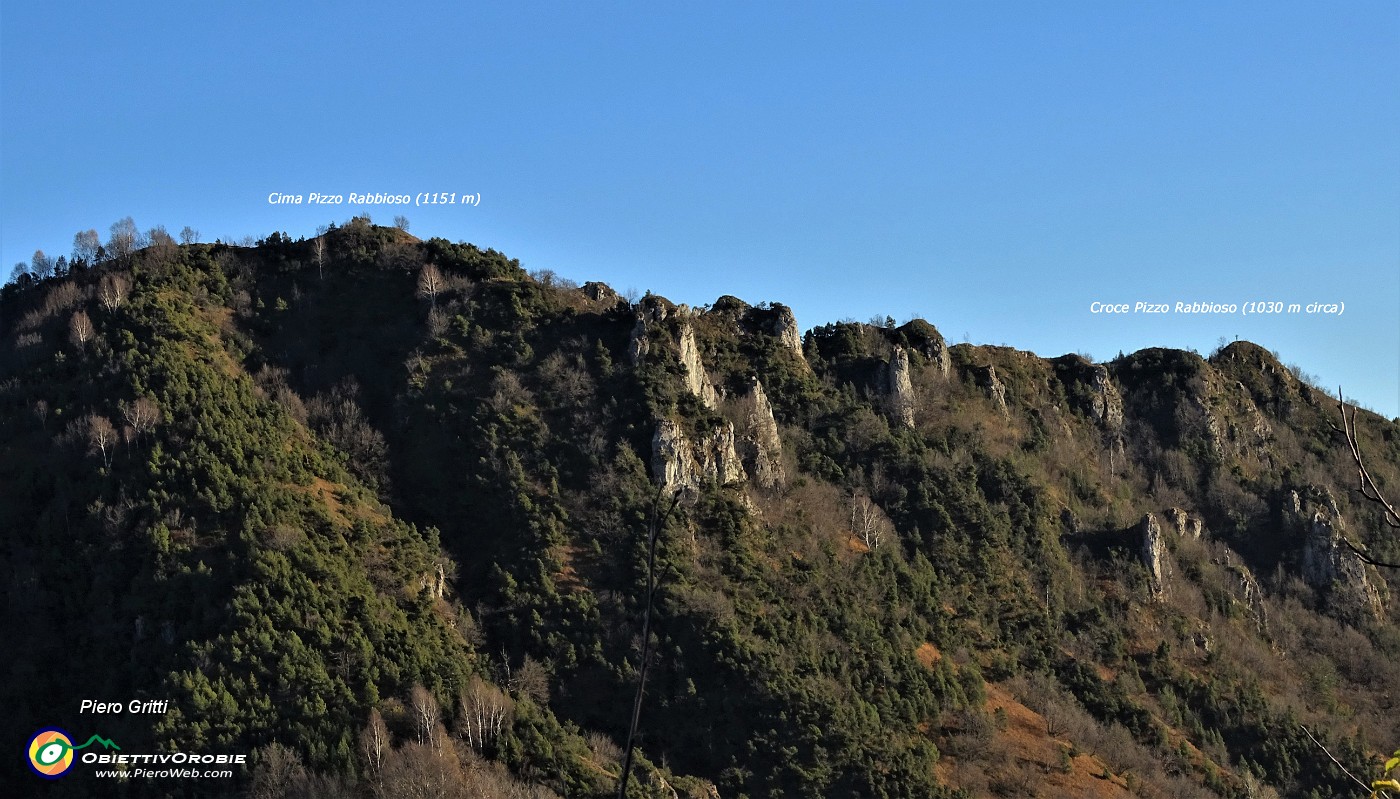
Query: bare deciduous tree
column 508, row 393
column 41, row 265
column 430, row 283
column 374, row 745
column 485, row 711
column 279, row 769
column 62, row 297
column 41, row 410
column 161, row 244
column 112, row 290
column 401, row 222
column 1366, row 486
column 337, row 416
column 189, row 235
column 142, row 415
column 532, row 680
column 416, row 771
column 85, row 246
column 25, row 343
column 318, row 252
column 124, row 239
column 605, row 749
column 437, row 322
column 101, row 436
column 159, row 236
column 80, row 329
column 868, row 522
column 1056, row 717
column 426, row 715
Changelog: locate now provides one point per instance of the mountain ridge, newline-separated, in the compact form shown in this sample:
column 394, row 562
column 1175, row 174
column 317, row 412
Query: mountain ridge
column 391, row 486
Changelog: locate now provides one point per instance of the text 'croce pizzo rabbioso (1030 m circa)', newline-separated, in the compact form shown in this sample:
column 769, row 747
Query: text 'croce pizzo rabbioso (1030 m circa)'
column 1208, row 308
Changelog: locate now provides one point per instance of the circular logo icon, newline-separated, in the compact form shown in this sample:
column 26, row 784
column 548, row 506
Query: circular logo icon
column 50, row 753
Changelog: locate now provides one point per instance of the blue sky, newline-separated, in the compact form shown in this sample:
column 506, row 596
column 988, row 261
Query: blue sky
column 992, row 167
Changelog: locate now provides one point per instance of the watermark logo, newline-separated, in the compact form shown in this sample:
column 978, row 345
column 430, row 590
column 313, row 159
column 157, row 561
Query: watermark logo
column 51, row 751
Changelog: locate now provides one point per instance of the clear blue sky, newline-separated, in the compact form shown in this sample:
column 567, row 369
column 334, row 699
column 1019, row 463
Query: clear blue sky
column 992, row 167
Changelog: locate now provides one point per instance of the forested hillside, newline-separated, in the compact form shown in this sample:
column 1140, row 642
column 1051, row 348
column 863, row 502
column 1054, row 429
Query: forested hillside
column 376, row 510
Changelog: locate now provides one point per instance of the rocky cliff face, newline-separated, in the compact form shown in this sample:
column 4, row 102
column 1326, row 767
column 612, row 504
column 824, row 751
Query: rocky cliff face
column 650, row 310
column 901, row 388
column 986, row 377
column 673, row 465
column 696, row 378
column 435, row 582
column 1238, row 428
column 1327, row 563
column 936, row 351
column 924, row 338
column 1254, row 432
column 1220, row 413
column 1152, row 549
column 1092, row 391
column 602, row 294
column 784, row 326
column 1245, row 588
column 760, row 444
column 637, row 344
column 1245, row 591
column 1186, row 525
column 718, row 457
column 679, row 464
column 1209, row 427
column 1106, row 404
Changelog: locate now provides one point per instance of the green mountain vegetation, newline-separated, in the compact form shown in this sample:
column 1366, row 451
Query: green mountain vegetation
column 376, row 511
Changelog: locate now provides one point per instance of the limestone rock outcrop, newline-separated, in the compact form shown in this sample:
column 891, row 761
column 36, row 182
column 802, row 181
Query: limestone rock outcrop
column 672, row 463
column 784, row 326
column 1152, row 549
column 435, row 582
column 900, row 388
column 601, row 293
column 1228, row 421
column 1213, row 432
column 679, row 464
column 654, row 309
column 1186, row 525
column 1253, row 434
column 1245, row 590
column 924, row 338
column 718, row 456
column 637, row 345
column 987, row 378
column 1106, row 404
column 696, row 378
column 651, row 310
column 935, row 350
column 1328, row 563
column 760, row 444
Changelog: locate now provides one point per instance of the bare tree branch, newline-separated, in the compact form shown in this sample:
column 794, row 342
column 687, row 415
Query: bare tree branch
column 1367, row 487
column 1367, row 558
column 658, row 521
column 1334, row 759
column 1367, row 484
